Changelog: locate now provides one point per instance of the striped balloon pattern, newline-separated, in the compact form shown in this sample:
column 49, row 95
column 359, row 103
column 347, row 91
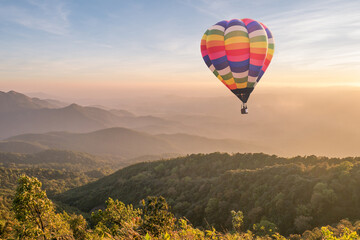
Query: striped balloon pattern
column 238, row 52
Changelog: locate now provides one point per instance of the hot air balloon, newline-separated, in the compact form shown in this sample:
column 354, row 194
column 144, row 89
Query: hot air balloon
column 238, row 52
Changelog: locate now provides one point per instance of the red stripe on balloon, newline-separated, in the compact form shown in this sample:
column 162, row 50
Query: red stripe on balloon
column 216, row 49
column 237, row 52
column 257, row 56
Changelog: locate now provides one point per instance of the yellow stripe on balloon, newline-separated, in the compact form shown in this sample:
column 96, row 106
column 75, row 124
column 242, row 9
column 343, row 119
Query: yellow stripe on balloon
column 259, row 45
column 210, row 44
column 215, row 37
column 258, row 50
column 236, row 40
column 230, row 81
column 241, row 85
column 220, row 78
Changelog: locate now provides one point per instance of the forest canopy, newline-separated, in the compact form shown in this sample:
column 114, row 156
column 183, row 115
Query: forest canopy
column 34, row 216
column 295, row 194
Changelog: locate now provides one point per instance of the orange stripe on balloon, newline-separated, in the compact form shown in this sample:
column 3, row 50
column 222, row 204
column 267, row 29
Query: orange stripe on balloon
column 237, row 46
column 210, row 44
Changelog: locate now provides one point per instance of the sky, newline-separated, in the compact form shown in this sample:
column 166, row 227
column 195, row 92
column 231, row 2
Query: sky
column 87, row 46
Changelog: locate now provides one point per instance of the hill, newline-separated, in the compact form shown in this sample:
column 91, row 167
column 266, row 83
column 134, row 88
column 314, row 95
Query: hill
column 153, row 220
column 14, row 101
column 56, row 159
column 21, row 147
column 21, row 114
column 294, row 193
column 59, row 170
column 55, row 181
column 128, row 143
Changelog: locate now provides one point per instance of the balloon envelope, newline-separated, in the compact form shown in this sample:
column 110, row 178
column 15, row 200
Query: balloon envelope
column 238, row 52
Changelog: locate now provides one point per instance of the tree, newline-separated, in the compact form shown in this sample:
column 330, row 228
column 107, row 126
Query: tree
column 265, row 227
column 117, row 219
column 36, row 213
column 237, row 220
column 156, row 217
column 78, row 226
column 346, row 234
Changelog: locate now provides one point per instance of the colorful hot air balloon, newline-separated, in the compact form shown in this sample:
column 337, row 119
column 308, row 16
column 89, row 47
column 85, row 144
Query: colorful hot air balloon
column 238, row 52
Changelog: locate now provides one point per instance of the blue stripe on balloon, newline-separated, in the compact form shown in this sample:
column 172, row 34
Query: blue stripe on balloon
column 240, row 69
column 207, row 60
column 219, row 60
column 222, row 23
column 268, row 33
column 235, row 22
column 253, row 26
column 221, row 65
column 239, row 64
column 260, row 75
column 254, row 70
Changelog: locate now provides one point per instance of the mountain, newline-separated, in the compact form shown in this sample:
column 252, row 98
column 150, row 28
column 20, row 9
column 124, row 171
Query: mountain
column 293, row 193
column 21, row 147
column 112, row 141
column 21, row 114
column 14, row 101
column 71, row 118
column 129, row 143
column 196, row 144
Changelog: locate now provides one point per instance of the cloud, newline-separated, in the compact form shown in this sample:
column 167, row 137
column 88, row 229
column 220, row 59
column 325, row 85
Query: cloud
column 205, row 7
column 47, row 16
column 318, row 35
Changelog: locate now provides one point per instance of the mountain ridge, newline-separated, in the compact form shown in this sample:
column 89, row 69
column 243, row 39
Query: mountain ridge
column 21, row 114
column 129, row 143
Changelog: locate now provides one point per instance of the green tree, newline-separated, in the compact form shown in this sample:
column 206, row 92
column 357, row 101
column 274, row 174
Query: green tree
column 36, row 213
column 117, row 219
column 156, row 218
column 78, row 226
column 265, row 227
column 346, row 234
column 237, row 220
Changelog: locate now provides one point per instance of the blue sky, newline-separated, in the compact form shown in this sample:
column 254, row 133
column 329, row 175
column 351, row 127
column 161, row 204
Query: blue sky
column 44, row 44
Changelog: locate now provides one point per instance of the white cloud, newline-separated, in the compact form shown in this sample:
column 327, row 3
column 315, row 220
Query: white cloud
column 321, row 35
column 47, row 16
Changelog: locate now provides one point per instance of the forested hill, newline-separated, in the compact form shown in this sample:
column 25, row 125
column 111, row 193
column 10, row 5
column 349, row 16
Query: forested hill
column 59, row 170
column 296, row 193
column 56, row 159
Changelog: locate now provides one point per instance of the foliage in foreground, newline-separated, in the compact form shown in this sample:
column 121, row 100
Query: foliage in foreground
column 33, row 216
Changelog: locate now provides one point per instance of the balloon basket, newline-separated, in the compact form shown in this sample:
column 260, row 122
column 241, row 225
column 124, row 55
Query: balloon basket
column 244, row 110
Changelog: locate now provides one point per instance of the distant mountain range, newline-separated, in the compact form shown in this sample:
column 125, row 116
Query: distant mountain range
column 21, row 114
column 123, row 142
column 286, row 122
column 13, row 101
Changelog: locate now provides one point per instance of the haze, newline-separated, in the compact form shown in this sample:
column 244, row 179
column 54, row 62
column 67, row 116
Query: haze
column 144, row 57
